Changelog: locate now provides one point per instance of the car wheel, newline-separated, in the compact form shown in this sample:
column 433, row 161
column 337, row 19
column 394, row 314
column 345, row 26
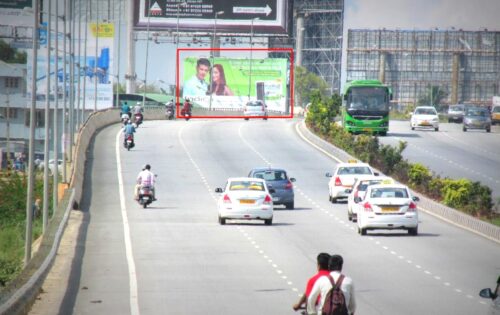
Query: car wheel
column 268, row 221
column 222, row 221
column 436, row 129
column 290, row 205
column 329, row 197
column 246, row 118
column 334, row 200
column 349, row 216
column 412, row 128
column 354, row 218
column 144, row 205
column 413, row 231
column 488, row 129
column 464, row 129
column 361, row 231
column 265, row 118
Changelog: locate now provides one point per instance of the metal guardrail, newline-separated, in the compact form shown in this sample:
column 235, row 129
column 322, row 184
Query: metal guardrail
column 427, row 205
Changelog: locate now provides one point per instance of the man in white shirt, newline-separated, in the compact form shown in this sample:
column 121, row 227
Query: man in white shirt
column 196, row 85
column 323, row 285
column 145, row 178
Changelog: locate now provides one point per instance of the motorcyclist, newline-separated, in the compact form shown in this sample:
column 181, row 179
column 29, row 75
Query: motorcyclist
column 129, row 129
column 186, row 109
column 170, row 107
column 146, row 178
column 138, row 110
column 125, row 109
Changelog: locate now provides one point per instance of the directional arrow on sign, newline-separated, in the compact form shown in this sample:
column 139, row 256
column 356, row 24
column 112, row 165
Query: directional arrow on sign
column 253, row 10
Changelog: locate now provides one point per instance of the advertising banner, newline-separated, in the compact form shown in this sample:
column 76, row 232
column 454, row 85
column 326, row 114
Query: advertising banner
column 233, row 82
column 16, row 12
column 235, row 16
column 103, row 60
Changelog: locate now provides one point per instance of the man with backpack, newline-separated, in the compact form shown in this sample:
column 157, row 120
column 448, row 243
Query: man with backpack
column 322, row 265
column 336, row 292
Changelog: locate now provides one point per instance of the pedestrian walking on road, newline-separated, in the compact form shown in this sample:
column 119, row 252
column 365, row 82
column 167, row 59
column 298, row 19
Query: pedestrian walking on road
column 324, row 284
column 322, row 265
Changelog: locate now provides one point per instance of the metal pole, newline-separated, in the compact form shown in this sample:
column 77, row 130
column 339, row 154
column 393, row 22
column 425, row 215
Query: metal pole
column 79, row 66
column 118, row 59
column 71, row 24
column 130, row 76
column 147, row 53
column 31, row 166
column 212, row 59
column 55, row 196
column 7, row 125
column 96, row 53
column 64, row 112
column 85, row 66
column 250, row 70
column 45, row 212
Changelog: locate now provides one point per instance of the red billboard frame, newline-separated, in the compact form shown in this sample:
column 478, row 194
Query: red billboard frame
column 177, row 75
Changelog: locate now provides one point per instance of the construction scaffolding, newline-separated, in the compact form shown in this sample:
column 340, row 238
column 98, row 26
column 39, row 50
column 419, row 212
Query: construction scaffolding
column 318, row 38
column 463, row 64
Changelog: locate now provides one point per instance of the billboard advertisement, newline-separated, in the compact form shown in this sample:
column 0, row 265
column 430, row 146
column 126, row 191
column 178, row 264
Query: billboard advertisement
column 104, row 61
column 16, row 12
column 233, row 17
column 222, row 83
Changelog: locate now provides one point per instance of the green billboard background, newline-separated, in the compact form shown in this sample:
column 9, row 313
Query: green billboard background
column 269, row 73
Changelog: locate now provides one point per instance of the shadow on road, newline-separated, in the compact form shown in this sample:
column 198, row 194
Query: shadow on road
column 403, row 234
column 403, row 135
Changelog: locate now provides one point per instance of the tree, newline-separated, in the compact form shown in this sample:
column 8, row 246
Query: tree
column 433, row 97
column 307, row 83
column 11, row 55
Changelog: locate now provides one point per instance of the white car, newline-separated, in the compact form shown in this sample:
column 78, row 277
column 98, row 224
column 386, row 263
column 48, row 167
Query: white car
column 424, row 117
column 245, row 198
column 344, row 176
column 359, row 190
column 52, row 165
column 388, row 207
column 255, row 109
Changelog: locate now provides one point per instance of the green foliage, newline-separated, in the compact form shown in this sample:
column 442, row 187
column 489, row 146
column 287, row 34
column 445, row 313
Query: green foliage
column 472, row 197
column 11, row 55
column 433, row 97
column 419, row 175
column 307, row 83
column 389, row 157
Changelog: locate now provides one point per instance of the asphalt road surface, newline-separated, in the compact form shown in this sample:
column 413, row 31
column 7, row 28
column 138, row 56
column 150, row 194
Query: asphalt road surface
column 452, row 153
column 174, row 258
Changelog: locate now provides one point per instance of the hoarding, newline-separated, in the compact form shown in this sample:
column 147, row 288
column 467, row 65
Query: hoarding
column 222, row 83
column 16, row 12
column 269, row 16
column 87, row 72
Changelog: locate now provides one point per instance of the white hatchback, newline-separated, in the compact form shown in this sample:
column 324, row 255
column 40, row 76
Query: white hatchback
column 388, row 207
column 245, row 198
column 425, row 117
column 344, row 176
column 359, row 190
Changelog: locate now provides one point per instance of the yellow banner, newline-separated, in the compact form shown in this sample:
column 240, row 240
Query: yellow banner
column 105, row 29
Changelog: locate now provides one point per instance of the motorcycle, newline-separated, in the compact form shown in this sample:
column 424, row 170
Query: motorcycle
column 138, row 119
column 186, row 112
column 129, row 142
column 145, row 196
column 169, row 111
column 124, row 118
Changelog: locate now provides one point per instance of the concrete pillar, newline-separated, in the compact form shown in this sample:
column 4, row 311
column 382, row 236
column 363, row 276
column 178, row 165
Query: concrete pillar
column 300, row 40
column 455, row 68
column 381, row 69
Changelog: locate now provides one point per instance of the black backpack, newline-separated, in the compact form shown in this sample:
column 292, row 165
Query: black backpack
column 335, row 299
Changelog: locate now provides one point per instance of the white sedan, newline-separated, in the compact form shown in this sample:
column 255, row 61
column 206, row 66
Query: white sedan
column 388, row 207
column 344, row 176
column 245, row 198
column 425, row 117
column 359, row 190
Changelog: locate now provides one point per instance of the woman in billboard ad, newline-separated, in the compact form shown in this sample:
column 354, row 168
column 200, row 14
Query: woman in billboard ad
column 218, row 86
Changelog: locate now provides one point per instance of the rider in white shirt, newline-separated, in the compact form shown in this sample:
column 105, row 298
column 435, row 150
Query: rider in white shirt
column 145, row 178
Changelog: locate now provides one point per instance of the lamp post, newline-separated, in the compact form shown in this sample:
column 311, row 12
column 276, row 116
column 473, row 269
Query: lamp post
column 212, row 58
column 147, row 53
column 251, row 50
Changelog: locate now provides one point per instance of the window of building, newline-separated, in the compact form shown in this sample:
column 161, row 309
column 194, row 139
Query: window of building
column 11, row 82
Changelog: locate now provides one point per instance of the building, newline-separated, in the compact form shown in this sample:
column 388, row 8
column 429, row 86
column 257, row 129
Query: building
column 463, row 64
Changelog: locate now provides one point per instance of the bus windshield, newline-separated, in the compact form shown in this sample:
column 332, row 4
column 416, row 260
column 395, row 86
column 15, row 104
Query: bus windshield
column 372, row 99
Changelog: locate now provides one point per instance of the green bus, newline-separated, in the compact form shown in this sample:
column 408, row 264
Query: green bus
column 365, row 107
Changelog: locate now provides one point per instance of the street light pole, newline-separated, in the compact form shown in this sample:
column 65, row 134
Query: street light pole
column 147, row 53
column 212, row 61
column 118, row 57
column 64, row 112
column 55, row 191
column 96, row 53
column 251, row 50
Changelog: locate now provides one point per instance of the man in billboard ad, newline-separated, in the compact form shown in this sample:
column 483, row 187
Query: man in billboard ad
column 230, row 83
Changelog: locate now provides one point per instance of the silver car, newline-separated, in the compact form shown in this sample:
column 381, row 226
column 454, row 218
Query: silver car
column 456, row 113
column 477, row 118
column 255, row 109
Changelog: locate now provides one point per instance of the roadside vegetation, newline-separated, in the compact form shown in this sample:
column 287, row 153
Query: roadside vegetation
column 13, row 189
column 462, row 194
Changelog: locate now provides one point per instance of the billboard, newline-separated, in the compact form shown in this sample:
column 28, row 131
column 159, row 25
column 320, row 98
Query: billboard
column 104, row 60
column 222, row 83
column 269, row 16
column 16, row 12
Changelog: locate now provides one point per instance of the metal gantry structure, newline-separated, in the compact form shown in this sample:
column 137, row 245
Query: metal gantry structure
column 318, row 38
column 463, row 64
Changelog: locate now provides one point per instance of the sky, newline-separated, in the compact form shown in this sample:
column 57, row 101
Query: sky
column 373, row 14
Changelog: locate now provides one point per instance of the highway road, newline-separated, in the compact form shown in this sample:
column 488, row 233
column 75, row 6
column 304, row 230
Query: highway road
column 174, row 258
column 452, row 153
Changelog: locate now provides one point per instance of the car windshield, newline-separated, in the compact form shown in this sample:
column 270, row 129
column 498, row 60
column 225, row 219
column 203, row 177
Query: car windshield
column 254, row 104
column 389, row 192
column 456, row 108
column 477, row 112
column 368, row 99
column 246, row 185
column 425, row 111
column 496, row 109
column 271, row 175
column 363, row 185
column 354, row 170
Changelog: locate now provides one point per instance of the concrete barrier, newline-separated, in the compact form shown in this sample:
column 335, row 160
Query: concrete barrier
column 427, row 205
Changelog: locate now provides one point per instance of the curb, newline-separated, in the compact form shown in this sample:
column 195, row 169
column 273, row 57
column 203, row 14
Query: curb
column 428, row 205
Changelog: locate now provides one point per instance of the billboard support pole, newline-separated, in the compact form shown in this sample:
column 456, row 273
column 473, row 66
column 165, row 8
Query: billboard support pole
column 118, row 55
column 147, row 53
column 65, row 77
column 85, row 66
column 55, row 194
column 251, row 50
column 130, row 76
column 96, row 53
column 78, row 66
column 212, row 57
column 46, row 144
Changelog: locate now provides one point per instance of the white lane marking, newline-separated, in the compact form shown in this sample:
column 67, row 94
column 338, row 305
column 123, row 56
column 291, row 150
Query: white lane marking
column 134, row 297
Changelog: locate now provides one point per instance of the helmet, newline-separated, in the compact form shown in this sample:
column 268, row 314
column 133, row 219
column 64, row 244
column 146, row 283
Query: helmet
column 147, row 167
